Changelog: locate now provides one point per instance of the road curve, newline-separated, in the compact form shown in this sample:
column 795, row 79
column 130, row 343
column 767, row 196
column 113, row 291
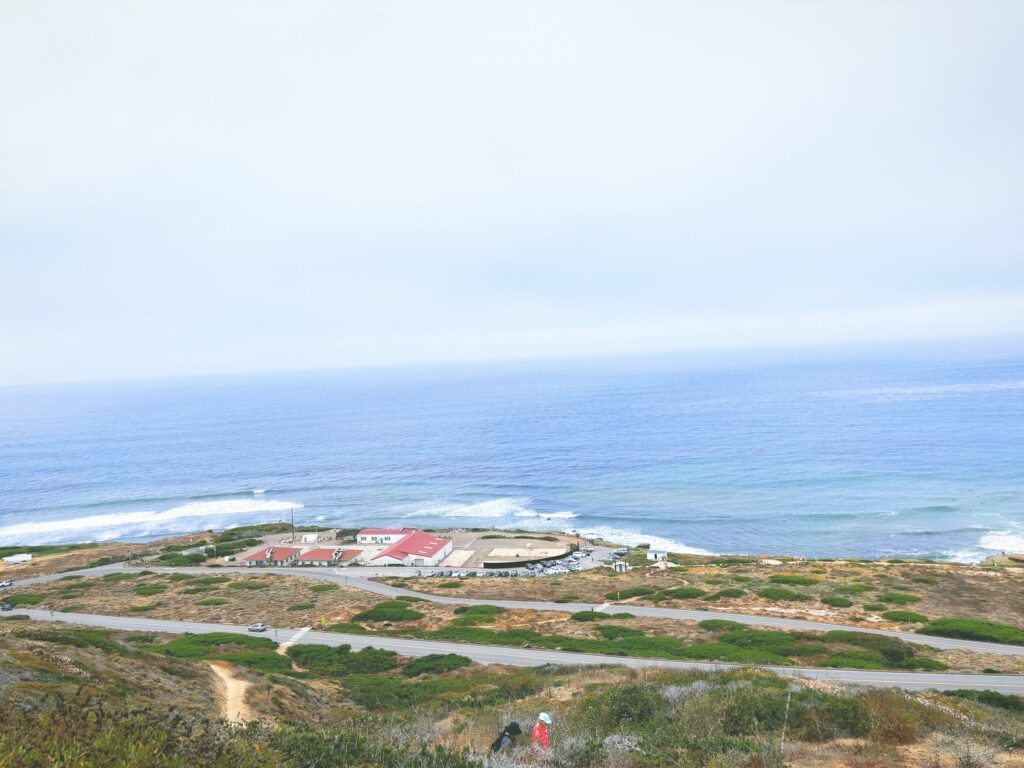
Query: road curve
column 529, row 657
column 360, row 578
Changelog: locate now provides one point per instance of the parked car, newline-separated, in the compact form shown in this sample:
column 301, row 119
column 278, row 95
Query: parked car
column 7, row 583
column 258, row 627
column 6, row 607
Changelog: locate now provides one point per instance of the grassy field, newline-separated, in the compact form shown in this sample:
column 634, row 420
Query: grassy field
column 86, row 697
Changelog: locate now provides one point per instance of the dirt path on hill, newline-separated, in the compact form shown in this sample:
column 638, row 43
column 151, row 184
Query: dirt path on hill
column 235, row 708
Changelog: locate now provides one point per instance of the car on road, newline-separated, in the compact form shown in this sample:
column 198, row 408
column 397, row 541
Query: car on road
column 259, row 626
column 6, row 607
column 7, row 583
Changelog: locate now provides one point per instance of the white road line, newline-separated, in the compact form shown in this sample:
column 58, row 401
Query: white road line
column 603, row 608
column 296, row 637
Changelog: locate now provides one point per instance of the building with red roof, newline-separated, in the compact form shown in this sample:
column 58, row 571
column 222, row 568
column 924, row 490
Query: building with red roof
column 271, row 556
column 416, row 548
column 382, row 535
column 318, row 556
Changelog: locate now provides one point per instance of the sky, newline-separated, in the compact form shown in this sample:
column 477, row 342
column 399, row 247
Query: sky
column 194, row 188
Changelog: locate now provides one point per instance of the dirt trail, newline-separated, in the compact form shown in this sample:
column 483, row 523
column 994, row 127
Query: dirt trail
column 235, row 708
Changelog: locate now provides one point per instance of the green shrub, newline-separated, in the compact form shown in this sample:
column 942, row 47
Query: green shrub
column 568, row 599
column 781, row 593
column 588, row 616
column 792, row 579
column 79, row 638
column 16, row 617
column 212, row 601
column 300, row 607
column 143, row 608
column 905, row 616
column 411, row 599
column 770, row 641
column 899, row 598
column 924, row 580
column 323, row 588
column 974, row 629
column 684, row 593
column 483, row 608
column 890, row 648
column 212, row 644
column 720, row 625
column 626, row 594
column 248, row 585
column 268, row 663
column 324, row 661
column 450, row 584
column 992, row 698
column 731, row 592
column 73, row 577
column 875, row 607
column 836, row 602
column 200, row 589
column 435, row 664
column 180, row 577
column 208, row 580
column 120, row 576
column 614, row 632
column 855, row 660
column 148, row 590
column 24, row 599
column 388, row 614
column 629, row 704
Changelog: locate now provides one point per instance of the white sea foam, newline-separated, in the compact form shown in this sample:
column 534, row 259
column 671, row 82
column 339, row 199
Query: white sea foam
column 125, row 524
column 940, row 390
column 632, row 538
column 1003, row 541
column 258, row 491
column 493, row 508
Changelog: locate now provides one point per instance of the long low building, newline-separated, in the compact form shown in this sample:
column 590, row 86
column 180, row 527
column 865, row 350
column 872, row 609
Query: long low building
column 271, row 556
column 416, row 549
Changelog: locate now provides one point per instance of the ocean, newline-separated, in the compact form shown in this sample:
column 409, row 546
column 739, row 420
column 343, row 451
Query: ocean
column 857, row 452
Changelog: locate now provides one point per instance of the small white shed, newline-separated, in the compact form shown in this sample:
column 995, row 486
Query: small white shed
column 24, row 557
column 657, row 554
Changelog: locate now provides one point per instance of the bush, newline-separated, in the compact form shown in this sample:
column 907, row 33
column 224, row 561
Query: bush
column 626, row 594
column 770, row 641
column 684, row 593
column 613, row 632
column 720, row 625
column 899, row 598
column 300, row 607
column 212, row 645
column 890, row 648
column 568, row 599
column 483, row 608
column 630, row 704
column 323, row 588
column 268, row 663
column 836, row 602
column 23, row 599
column 992, row 699
column 975, row 629
column 148, row 590
column 793, row 579
column 875, row 607
column 907, row 617
column 855, row 660
column 212, row 601
column 180, row 577
column 781, row 593
column 435, row 664
column 120, row 576
column 388, row 614
column 588, row 616
column 450, row 584
column 324, row 661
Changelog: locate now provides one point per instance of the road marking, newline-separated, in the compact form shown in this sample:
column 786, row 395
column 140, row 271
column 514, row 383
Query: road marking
column 604, row 607
column 296, row 637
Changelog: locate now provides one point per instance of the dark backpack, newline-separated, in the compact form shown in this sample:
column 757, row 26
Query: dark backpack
column 510, row 732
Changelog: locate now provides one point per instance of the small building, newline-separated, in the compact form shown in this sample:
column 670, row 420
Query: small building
column 24, row 557
column 310, row 538
column 657, row 554
column 349, row 556
column 271, row 556
column 416, row 548
column 620, row 566
column 769, row 561
column 318, row 556
column 382, row 535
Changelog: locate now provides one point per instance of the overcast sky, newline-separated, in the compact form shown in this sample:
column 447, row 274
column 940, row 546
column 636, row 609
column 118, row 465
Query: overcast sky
column 211, row 187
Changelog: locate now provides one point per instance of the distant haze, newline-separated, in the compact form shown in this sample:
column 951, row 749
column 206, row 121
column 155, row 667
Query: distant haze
column 196, row 187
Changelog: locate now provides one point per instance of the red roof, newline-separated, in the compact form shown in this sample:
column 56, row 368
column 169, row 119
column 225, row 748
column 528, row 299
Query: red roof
column 348, row 554
column 276, row 553
column 382, row 531
column 322, row 553
column 417, row 543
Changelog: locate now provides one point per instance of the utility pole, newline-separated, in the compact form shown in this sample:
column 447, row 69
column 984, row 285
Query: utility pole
column 293, row 525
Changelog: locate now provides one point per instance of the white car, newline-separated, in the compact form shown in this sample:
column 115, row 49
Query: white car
column 7, row 583
column 258, row 627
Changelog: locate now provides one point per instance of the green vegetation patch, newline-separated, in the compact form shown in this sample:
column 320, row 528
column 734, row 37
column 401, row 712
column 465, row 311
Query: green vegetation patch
column 248, row 585
column 143, row 608
column 435, row 664
column 213, row 645
column 720, row 625
column 147, row 590
column 212, row 601
column 323, row 588
column 992, row 698
column 792, row 579
column 731, row 592
column 975, row 629
column 836, row 601
column 875, row 607
column 626, row 594
column 568, row 599
column 854, row 588
column 899, row 598
column 684, row 593
column 121, row 576
column 25, row 598
column 324, row 661
column 588, row 616
column 392, row 610
column 615, row 632
column 450, row 584
column 908, row 617
column 300, row 607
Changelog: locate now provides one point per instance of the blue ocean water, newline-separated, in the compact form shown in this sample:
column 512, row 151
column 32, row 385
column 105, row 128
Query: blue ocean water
column 862, row 453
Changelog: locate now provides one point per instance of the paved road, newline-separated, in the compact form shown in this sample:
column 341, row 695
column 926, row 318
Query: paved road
column 360, row 578
column 527, row 657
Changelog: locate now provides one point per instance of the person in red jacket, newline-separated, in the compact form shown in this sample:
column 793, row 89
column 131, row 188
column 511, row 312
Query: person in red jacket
column 540, row 732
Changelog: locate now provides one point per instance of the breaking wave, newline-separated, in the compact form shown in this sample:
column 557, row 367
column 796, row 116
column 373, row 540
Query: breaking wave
column 633, row 538
column 492, row 509
column 115, row 525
